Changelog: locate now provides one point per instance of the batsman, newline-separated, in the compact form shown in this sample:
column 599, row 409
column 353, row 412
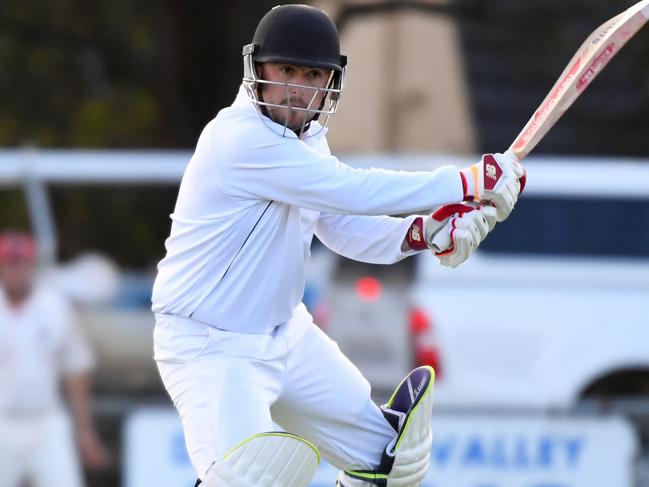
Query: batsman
column 236, row 349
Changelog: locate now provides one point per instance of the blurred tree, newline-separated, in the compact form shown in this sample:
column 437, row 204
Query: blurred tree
column 130, row 223
column 210, row 36
column 119, row 73
column 14, row 210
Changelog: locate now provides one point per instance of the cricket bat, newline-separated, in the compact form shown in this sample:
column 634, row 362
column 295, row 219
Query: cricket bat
column 589, row 60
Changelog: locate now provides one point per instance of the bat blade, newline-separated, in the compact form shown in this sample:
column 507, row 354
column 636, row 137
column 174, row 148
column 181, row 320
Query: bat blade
column 589, row 60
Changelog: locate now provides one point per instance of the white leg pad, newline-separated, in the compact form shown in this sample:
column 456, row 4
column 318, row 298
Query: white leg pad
column 266, row 460
column 344, row 480
column 406, row 458
column 412, row 451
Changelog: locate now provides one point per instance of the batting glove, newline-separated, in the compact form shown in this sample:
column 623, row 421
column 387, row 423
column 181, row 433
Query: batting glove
column 453, row 232
column 497, row 178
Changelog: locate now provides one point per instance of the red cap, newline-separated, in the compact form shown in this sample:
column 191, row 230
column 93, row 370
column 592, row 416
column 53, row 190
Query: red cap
column 16, row 246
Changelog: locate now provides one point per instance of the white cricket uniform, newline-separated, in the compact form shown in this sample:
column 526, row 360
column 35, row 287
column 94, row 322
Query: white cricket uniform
column 234, row 345
column 39, row 342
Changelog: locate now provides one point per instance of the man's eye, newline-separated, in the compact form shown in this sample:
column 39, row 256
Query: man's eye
column 286, row 69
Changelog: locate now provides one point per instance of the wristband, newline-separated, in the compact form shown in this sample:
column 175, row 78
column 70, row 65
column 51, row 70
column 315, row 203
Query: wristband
column 415, row 235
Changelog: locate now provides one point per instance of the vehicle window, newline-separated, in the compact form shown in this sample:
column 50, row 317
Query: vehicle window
column 574, row 226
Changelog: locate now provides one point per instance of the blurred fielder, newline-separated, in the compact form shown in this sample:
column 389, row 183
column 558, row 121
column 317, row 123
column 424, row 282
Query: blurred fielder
column 235, row 348
column 40, row 347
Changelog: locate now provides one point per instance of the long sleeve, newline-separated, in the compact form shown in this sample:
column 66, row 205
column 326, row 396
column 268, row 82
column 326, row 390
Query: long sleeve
column 372, row 239
column 238, row 233
column 267, row 167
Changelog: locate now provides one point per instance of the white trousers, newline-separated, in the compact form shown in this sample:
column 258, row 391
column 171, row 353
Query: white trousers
column 229, row 386
column 39, row 448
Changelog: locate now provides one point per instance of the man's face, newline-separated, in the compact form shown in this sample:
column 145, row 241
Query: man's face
column 307, row 96
column 16, row 276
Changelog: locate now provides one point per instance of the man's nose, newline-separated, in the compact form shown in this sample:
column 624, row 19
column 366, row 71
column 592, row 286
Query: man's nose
column 300, row 79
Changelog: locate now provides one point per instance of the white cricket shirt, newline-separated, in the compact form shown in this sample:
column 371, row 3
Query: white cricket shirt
column 249, row 204
column 39, row 343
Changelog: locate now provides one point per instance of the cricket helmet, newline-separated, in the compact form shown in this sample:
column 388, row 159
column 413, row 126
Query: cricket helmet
column 299, row 35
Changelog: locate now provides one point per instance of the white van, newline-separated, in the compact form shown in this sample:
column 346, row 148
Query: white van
column 554, row 306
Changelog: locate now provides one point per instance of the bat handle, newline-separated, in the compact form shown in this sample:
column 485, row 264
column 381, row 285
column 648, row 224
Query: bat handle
column 519, row 155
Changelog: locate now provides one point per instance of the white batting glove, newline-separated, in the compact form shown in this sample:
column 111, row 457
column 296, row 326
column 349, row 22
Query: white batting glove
column 463, row 239
column 497, row 179
column 466, row 232
column 453, row 232
column 490, row 213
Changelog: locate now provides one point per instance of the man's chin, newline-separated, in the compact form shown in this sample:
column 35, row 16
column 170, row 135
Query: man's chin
column 291, row 124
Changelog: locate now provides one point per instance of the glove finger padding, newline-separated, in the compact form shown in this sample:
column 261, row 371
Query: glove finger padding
column 438, row 227
column 490, row 215
column 453, row 232
column 497, row 178
column 468, row 230
column 517, row 168
column 506, row 197
column 482, row 226
column 460, row 252
column 519, row 171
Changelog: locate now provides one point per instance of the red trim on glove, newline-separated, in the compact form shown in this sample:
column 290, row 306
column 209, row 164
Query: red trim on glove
column 415, row 235
column 452, row 247
column 523, row 180
column 465, row 188
column 448, row 210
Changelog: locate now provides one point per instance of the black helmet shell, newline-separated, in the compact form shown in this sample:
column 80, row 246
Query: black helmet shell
column 299, row 35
